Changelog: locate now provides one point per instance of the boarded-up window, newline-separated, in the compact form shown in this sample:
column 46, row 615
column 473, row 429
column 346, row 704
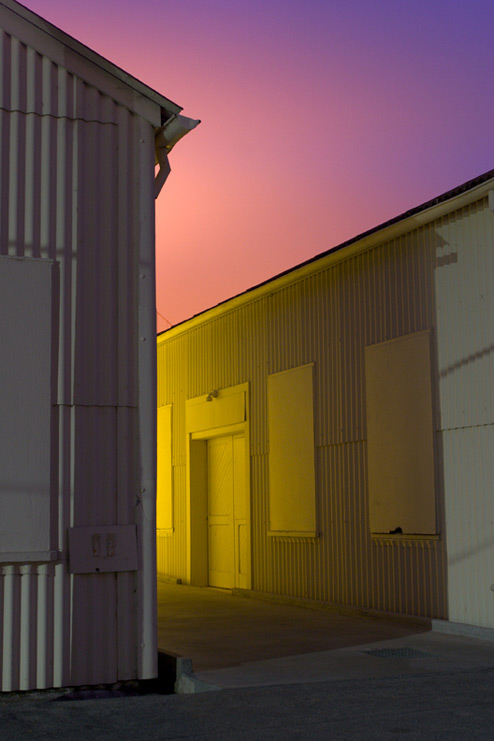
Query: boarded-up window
column 292, row 491
column 26, row 513
column 164, row 484
column 400, row 442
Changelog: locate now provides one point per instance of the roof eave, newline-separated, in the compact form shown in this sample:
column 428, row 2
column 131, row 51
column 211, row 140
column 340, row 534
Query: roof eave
column 85, row 63
column 465, row 194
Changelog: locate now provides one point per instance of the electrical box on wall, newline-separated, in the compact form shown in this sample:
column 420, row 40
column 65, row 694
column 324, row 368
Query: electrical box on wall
column 102, row 549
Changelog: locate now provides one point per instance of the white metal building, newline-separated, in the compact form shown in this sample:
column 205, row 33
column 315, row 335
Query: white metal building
column 328, row 434
column 77, row 361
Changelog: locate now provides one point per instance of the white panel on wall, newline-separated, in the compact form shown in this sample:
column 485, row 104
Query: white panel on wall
column 400, row 442
column 468, row 480
column 26, row 290
column 465, row 355
column 465, row 316
column 292, row 489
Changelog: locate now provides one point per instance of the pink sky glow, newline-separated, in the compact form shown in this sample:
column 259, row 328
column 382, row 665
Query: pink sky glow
column 320, row 119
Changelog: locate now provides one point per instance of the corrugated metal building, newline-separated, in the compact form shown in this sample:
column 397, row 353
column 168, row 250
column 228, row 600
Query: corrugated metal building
column 77, row 364
column 328, row 434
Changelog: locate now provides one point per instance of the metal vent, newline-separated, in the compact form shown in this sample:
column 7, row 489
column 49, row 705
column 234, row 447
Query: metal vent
column 398, row 653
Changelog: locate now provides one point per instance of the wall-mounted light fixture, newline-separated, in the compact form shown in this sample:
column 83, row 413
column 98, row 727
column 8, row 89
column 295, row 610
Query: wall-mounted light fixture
column 212, row 395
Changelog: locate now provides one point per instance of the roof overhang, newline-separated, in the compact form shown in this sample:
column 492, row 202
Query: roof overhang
column 64, row 50
column 453, row 200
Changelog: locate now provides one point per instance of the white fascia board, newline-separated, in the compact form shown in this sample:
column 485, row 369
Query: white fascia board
column 81, row 61
column 339, row 254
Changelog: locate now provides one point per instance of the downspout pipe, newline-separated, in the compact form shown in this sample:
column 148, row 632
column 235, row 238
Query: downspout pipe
column 165, row 139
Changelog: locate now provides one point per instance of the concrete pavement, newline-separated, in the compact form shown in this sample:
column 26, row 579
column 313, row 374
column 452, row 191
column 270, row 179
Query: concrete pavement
column 232, row 642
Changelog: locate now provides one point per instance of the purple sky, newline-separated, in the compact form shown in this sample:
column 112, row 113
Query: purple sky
column 320, row 119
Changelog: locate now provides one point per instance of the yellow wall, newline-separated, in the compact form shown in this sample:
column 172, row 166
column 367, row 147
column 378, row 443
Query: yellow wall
column 164, row 472
column 324, row 320
column 400, row 436
column 292, row 485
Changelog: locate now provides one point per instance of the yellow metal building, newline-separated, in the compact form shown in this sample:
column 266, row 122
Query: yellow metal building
column 326, row 435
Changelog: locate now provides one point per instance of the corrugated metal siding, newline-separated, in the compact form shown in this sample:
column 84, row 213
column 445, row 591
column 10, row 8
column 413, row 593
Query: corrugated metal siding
column 29, row 643
column 469, row 473
column 327, row 318
column 465, row 313
column 69, row 189
column 171, row 549
column 465, row 317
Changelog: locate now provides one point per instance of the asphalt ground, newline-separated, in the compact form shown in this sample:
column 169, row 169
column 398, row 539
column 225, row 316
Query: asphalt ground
column 457, row 705
column 280, row 671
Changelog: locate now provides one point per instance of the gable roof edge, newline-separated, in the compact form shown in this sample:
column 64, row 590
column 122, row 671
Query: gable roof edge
column 470, row 192
column 88, row 65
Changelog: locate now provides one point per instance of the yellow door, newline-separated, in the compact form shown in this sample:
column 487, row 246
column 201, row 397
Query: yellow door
column 221, row 542
column 240, row 504
column 227, row 536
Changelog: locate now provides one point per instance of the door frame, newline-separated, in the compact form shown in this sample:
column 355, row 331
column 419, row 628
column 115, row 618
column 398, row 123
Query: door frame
column 231, row 405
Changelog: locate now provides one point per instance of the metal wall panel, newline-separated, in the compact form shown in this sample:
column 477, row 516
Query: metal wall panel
column 327, row 319
column 28, row 639
column 465, row 317
column 469, row 473
column 76, row 186
column 95, row 361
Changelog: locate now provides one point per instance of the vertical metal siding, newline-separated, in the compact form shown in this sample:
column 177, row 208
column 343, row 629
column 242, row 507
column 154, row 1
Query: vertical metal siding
column 465, row 311
column 146, row 440
column 327, row 318
column 469, row 473
column 70, row 190
column 171, row 549
column 465, row 317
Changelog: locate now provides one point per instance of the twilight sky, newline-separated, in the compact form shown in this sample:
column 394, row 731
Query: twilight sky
column 320, row 119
